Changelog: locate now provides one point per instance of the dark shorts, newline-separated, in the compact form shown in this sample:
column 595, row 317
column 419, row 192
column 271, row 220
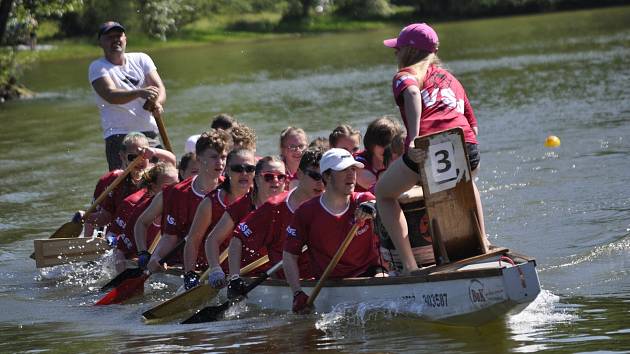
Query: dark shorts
column 472, row 150
column 113, row 144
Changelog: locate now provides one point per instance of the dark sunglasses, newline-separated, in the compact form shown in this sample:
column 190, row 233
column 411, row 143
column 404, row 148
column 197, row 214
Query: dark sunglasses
column 131, row 157
column 314, row 175
column 269, row 177
column 296, row 148
column 243, row 168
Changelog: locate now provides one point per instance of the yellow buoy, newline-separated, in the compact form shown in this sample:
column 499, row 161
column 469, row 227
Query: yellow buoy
column 552, row 141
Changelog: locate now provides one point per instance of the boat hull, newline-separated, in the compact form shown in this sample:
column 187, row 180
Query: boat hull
column 471, row 294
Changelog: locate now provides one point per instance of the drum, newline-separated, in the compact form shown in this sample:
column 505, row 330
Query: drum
column 413, row 207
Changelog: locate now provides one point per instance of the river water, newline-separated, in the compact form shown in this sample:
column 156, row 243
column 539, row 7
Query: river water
column 565, row 74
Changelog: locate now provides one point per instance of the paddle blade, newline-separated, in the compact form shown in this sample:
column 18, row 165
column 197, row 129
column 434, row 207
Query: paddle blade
column 124, row 275
column 68, row 230
column 180, row 304
column 208, row 314
column 126, row 290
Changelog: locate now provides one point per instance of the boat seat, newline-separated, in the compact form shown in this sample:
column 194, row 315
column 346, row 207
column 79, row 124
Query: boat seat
column 449, row 197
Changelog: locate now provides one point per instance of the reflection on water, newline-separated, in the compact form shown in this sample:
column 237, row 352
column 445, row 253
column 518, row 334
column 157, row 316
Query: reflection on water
column 564, row 74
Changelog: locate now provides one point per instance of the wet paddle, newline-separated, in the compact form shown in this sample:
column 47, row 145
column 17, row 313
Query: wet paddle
column 130, row 272
column 213, row 313
column 134, row 286
column 194, row 297
column 333, row 263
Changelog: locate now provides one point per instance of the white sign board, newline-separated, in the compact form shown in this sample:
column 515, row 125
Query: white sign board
column 445, row 164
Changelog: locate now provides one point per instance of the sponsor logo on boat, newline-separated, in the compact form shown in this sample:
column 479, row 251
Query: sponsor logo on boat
column 476, row 292
column 292, row 232
column 170, row 220
column 245, row 229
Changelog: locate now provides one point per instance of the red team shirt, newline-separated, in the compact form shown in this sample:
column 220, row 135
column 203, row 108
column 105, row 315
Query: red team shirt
column 444, row 103
column 263, row 232
column 240, row 208
column 362, row 158
column 323, row 232
column 125, row 219
column 180, row 204
column 115, row 198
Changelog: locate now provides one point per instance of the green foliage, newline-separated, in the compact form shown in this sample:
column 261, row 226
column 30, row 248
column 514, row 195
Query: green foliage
column 7, row 61
column 85, row 21
column 363, row 9
column 162, row 17
column 25, row 14
column 243, row 6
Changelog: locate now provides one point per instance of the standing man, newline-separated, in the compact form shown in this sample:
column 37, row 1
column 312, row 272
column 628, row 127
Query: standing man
column 129, row 91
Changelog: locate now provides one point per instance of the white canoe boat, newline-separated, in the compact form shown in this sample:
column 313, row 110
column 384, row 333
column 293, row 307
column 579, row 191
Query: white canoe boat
column 471, row 291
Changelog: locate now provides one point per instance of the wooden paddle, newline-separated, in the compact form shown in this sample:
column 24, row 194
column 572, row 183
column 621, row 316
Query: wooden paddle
column 162, row 130
column 213, row 313
column 193, row 298
column 74, row 227
column 52, row 252
column 332, row 264
column 135, row 286
column 131, row 272
column 149, row 105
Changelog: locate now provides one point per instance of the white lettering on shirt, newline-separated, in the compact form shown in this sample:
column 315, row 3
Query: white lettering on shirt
column 245, row 229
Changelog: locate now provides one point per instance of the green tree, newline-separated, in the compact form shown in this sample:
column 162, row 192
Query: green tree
column 363, row 9
column 18, row 22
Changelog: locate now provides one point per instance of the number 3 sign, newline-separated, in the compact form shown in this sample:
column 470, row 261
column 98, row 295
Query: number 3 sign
column 442, row 164
column 446, row 162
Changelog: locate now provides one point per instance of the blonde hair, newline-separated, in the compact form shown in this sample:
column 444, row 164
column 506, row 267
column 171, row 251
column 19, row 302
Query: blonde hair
column 133, row 137
column 243, row 137
column 341, row 131
column 150, row 177
column 418, row 60
column 288, row 131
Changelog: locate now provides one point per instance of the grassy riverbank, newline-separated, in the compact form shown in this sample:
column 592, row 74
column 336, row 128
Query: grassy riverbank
column 219, row 28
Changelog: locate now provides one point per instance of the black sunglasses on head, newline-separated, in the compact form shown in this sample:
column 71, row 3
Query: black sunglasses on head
column 314, row 175
column 243, row 168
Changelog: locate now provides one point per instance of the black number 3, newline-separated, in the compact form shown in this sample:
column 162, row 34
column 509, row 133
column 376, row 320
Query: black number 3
column 444, row 160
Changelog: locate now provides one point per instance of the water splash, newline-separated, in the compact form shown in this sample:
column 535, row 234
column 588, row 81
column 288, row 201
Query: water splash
column 359, row 314
column 545, row 309
column 83, row 274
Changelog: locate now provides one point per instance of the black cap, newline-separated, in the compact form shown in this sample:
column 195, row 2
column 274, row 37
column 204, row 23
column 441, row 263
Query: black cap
column 108, row 26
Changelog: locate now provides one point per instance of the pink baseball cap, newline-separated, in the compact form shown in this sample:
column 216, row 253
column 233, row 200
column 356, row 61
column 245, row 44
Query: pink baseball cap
column 417, row 35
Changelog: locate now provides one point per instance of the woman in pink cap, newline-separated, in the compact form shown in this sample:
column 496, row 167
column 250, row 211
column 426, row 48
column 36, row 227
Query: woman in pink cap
column 430, row 99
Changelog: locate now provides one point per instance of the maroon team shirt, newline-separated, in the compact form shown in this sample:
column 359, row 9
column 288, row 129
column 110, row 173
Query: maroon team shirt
column 115, row 198
column 263, row 232
column 444, row 103
column 125, row 219
column 240, row 208
column 180, row 202
column 323, row 232
column 363, row 158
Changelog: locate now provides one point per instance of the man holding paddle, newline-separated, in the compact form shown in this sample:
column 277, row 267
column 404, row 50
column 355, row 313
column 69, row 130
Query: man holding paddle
column 129, row 91
column 324, row 222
